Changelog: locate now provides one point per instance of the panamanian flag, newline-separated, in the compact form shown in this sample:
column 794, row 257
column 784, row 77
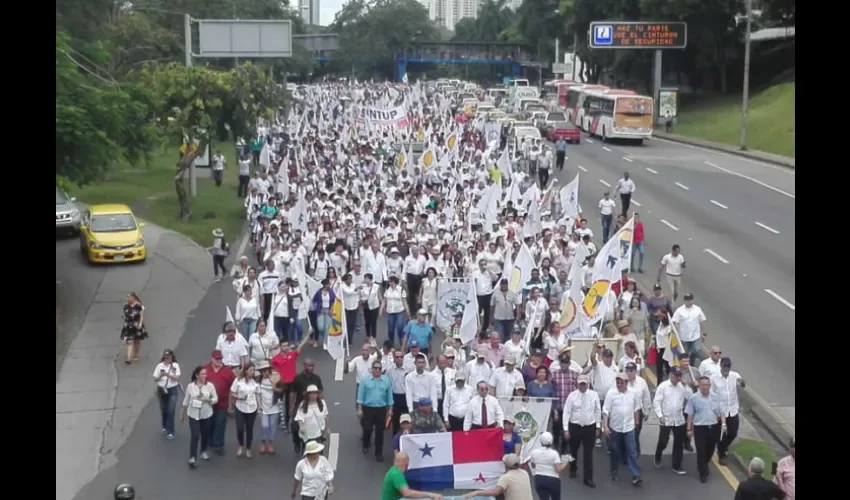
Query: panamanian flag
column 454, row 460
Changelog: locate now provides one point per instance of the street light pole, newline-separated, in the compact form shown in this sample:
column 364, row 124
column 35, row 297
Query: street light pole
column 746, row 90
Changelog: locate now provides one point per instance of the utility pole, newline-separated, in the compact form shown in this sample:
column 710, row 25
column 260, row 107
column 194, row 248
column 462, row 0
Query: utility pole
column 746, row 90
column 187, row 33
column 575, row 61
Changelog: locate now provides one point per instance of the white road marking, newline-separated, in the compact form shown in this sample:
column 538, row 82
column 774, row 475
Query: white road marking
column 751, row 179
column 780, row 299
column 686, row 188
column 651, row 171
column 635, row 203
column 340, row 368
column 333, row 450
column 715, row 255
column 766, row 227
column 671, row 226
column 721, row 205
column 604, row 183
column 628, row 159
column 589, row 140
column 582, row 168
column 606, row 148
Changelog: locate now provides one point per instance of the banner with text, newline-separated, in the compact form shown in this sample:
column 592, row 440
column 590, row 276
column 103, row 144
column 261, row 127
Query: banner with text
column 378, row 117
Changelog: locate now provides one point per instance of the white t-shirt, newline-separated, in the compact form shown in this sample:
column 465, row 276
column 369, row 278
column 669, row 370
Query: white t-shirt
column 544, row 461
column 311, row 422
column 395, row 297
column 246, row 394
column 267, row 398
column 244, row 167
column 606, row 207
column 314, row 479
column 673, row 265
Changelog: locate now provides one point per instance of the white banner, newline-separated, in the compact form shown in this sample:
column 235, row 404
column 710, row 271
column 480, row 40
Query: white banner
column 493, row 132
column 451, row 300
column 531, row 420
column 396, row 116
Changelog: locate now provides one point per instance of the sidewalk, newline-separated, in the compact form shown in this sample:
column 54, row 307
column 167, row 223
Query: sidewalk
column 98, row 397
column 782, row 161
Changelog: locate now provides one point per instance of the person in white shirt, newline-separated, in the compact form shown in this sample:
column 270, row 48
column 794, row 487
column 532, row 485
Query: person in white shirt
column 397, row 371
column 394, row 305
column 689, row 322
column 456, row 402
column 483, row 280
column 312, row 417
column 245, row 396
column 262, row 345
column 198, row 406
column 479, row 369
column 626, row 187
column 361, row 366
column 244, row 176
column 547, row 466
column 370, row 297
column 583, row 418
column 271, row 393
column 603, row 371
column 234, row 348
column 671, row 396
column 413, row 270
column 483, row 411
column 218, row 166
column 247, row 311
column 280, row 313
column 710, row 366
column 419, row 384
column 638, row 385
column 428, row 294
column 505, row 379
column 515, row 346
column 351, row 304
column 167, row 377
column 445, row 375
column 269, row 278
column 314, row 474
column 606, row 212
column 673, row 264
column 724, row 390
column 620, row 416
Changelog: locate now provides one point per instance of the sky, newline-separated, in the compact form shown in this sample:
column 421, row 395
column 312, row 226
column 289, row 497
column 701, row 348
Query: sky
column 328, row 10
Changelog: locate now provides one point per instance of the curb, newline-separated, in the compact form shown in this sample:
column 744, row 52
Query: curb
column 773, row 159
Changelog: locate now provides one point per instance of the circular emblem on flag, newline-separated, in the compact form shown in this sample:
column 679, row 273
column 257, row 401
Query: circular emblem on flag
column 450, row 302
column 420, row 135
column 428, row 159
column 400, row 159
column 525, row 426
column 593, row 298
column 516, row 279
column 335, row 328
column 452, row 142
column 625, row 243
column 568, row 315
column 493, row 135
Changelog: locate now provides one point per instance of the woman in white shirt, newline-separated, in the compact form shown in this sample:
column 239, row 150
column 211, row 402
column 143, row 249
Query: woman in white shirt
column 280, row 306
column 547, row 466
column 271, row 392
column 428, row 294
column 370, row 298
column 167, row 376
column 662, row 343
column 552, row 341
column 244, row 394
column 262, row 345
column 247, row 311
column 312, row 417
column 313, row 474
column 198, row 406
column 295, row 297
column 394, row 306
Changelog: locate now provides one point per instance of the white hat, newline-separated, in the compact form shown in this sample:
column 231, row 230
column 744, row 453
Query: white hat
column 394, row 250
column 405, row 418
column 312, row 388
column 546, row 439
column 217, row 232
column 313, row 447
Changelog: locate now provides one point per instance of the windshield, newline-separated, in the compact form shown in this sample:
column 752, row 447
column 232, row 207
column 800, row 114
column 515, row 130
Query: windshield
column 527, row 132
column 112, row 223
column 562, row 125
column 556, row 117
column 61, row 199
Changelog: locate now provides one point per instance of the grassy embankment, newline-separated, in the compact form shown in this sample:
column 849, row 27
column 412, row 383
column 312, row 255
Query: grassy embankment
column 770, row 120
column 149, row 191
column 747, row 449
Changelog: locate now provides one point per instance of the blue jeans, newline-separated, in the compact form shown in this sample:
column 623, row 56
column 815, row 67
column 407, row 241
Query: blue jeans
column 219, row 427
column 395, row 326
column 607, row 220
column 268, row 426
column 692, row 349
column 249, row 326
column 638, row 251
column 281, row 328
column 296, row 331
column 199, row 431
column 623, row 443
column 505, row 327
column 167, row 407
column 323, row 323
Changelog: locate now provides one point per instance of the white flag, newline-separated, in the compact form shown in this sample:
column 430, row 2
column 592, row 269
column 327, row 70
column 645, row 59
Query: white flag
column 569, row 199
column 531, row 419
column 469, row 321
column 572, row 323
column 521, row 273
column 533, row 223
column 606, row 270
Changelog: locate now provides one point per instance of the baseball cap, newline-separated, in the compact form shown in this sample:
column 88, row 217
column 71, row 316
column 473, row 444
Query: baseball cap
column 676, row 371
column 546, row 439
column 405, row 418
column 631, row 366
column 726, row 362
column 424, row 401
column 413, row 343
column 537, row 352
column 622, row 376
column 449, row 352
column 423, row 312
column 656, row 286
column 481, row 353
column 216, row 354
column 460, row 376
column 607, row 352
column 509, row 360
column 511, row 460
column 689, row 296
column 582, row 379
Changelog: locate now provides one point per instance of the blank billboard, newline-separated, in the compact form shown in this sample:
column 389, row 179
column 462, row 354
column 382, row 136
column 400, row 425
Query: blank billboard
column 236, row 38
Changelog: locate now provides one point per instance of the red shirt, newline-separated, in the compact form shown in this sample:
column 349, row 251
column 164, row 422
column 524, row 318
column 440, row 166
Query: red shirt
column 618, row 286
column 221, row 380
column 285, row 364
column 637, row 237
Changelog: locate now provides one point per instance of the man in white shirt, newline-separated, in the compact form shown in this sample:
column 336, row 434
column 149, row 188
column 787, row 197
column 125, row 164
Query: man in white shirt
column 419, row 384
column 412, row 271
column 505, row 379
column 710, row 366
column 620, row 416
column 244, row 176
column 606, row 212
column 218, row 165
column 669, row 406
column 479, row 369
column 484, row 411
column 444, row 374
column 351, row 304
column 638, row 385
column 397, row 373
column 689, row 321
column 483, row 279
column 362, row 365
column 626, row 187
column 583, row 417
column 724, row 389
column 673, row 264
column 269, row 280
column 456, row 402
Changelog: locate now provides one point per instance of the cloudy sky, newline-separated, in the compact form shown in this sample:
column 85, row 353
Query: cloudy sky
column 328, row 10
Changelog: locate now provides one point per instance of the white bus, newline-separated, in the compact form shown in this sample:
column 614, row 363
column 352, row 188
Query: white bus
column 618, row 114
column 575, row 101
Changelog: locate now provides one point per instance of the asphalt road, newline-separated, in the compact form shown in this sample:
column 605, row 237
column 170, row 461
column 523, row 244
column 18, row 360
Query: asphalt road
column 735, row 221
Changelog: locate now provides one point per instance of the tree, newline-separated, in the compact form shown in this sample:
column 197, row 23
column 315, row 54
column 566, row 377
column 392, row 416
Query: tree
column 194, row 102
column 99, row 122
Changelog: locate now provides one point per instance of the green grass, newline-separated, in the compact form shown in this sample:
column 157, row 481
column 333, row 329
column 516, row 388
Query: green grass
column 770, row 120
column 149, row 191
column 747, row 449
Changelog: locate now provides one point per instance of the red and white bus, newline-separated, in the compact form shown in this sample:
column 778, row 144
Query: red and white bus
column 590, row 100
column 575, row 101
column 618, row 114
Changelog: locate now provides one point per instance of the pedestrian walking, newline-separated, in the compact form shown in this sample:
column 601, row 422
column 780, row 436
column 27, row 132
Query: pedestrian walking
column 221, row 377
column 374, row 409
column 314, row 474
column 244, row 395
column 198, row 404
column 167, row 377
column 704, row 418
column 219, row 250
column 671, row 396
column 133, row 330
column 547, row 466
column 626, row 188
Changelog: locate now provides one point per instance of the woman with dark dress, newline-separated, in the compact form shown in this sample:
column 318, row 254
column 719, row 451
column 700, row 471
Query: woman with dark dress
column 133, row 330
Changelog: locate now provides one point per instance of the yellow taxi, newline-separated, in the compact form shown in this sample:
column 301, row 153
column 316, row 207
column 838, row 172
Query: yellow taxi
column 110, row 233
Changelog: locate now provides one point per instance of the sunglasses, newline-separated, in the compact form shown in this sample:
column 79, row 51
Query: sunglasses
column 717, row 352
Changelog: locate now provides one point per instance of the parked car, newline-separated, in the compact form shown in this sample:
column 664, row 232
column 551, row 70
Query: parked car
column 67, row 213
column 563, row 130
column 111, row 234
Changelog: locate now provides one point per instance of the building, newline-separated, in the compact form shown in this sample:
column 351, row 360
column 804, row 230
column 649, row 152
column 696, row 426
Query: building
column 310, row 10
column 448, row 12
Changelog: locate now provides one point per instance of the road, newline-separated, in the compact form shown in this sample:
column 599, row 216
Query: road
column 158, row 470
column 735, row 221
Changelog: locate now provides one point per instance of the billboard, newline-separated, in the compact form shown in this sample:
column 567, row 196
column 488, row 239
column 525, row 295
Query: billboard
column 638, row 35
column 236, row 38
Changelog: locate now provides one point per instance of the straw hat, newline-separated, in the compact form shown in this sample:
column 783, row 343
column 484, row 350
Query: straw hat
column 217, row 232
column 313, row 447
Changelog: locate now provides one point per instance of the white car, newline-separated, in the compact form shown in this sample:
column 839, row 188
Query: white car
column 67, row 214
column 527, row 133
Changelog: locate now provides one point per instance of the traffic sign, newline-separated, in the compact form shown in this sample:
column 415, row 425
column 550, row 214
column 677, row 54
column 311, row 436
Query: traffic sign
column 638, row 35
column 559, row 68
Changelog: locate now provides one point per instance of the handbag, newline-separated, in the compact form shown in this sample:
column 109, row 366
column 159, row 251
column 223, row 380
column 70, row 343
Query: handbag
column 652, row 355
